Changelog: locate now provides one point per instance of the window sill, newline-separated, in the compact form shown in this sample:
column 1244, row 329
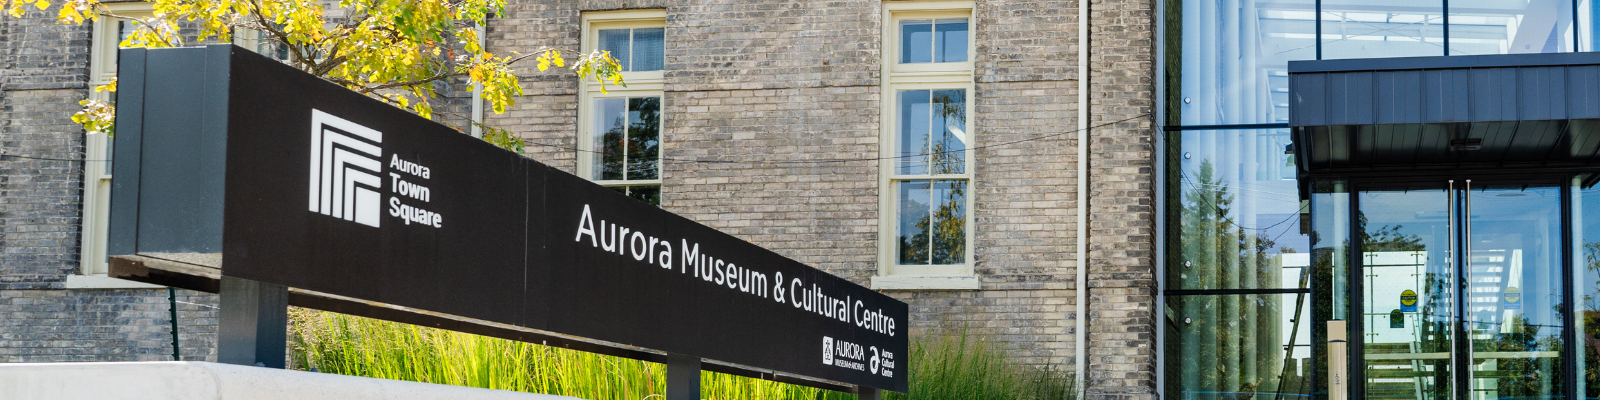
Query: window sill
column 926, row 282
column 101, row 281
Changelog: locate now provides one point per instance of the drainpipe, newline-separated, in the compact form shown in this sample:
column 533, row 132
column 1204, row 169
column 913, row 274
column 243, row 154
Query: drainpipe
column 1081, row 282
column 477, row 88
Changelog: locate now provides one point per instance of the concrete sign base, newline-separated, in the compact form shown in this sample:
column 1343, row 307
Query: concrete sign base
column 185, row 380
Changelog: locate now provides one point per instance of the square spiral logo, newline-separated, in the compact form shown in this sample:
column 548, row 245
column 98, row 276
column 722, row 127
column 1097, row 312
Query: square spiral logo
column 346, row 161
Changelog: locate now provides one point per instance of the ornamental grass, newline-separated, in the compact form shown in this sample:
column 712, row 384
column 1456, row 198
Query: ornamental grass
column 944, row 367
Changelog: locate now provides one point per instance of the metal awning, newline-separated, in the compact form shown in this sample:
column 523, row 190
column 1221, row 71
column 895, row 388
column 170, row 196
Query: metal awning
column 1444, row 113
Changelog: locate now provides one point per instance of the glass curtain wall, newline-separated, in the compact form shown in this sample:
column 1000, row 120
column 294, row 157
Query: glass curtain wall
column 1242, row 253
column 1238, row 297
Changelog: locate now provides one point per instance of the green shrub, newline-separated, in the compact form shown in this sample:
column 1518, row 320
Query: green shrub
column 945, row 367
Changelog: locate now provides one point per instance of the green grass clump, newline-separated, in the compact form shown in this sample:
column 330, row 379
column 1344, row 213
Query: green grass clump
column 944, row 367
column 959, row 366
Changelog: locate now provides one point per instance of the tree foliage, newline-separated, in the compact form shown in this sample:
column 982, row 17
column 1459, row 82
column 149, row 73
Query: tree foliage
column 394, row 50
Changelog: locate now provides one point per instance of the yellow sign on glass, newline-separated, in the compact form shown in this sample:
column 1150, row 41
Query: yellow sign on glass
column 1408, row 301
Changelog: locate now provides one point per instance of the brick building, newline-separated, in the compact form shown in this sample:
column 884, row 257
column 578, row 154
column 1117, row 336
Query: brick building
column 928, row 149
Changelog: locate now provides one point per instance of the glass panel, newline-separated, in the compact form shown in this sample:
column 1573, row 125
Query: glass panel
column 647, row 49
column 649, row 194
column 1373, row 29
column 644, row 138
column 949, row 129
column 916, row 41
column 1239, row 215
column 1234, row 61
column 1586, row 24
column 912, row 222
column 610, row 116
column 1233, row 347
column 950, row 40
column 1509, row 27
column 1330, row 255
column 1586, row 270
column 616, row 42
column 915, row 115
column 949, row 222
column 1407, row 282
column 1513, row 302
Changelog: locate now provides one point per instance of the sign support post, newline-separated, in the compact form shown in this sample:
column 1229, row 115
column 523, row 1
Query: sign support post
column 867, row 393
column 683, row 377
column 254, row 326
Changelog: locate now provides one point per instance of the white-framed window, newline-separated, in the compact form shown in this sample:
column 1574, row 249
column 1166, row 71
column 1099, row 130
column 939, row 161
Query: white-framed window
column 926, row 185
column 619, row 128
column 107, row 34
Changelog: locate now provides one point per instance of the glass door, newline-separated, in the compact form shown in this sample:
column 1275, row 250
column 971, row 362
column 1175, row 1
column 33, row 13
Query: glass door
column 1435, row 326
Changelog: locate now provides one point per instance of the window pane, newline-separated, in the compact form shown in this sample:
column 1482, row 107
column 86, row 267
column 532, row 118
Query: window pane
column 1586, row 25
column 644, row 138
column 1238, row 212
column 950, row 40
column 949, row 126
column 649, row 194
column 647, row 47
column 1365, row 29
column 1500, row 27
column 916, row 41
column 1230, row 347
column 1234, row 61
column 950, row 222
column 915, row 114
column 616, row 42
column 912, row 222
column 609, row 132
column 1586, row 272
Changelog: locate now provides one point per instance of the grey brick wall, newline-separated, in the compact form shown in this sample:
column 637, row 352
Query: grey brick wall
column 43, row 75
column 780, row 81
column 1121, row 207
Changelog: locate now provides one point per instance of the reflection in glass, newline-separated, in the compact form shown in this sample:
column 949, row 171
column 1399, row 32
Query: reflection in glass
column 650, row 194
column 1586, row 273
column 1367, row 29
column 610, row 122
column 627, row 139
column 1330, row 258
column 1238, row 347
column 928, row 41
column 932, row 131
column 1239, row 214
column 1405, row 246
column 616, row 41
column 1235, row 59
column 644, row 138
column 1586, row 32
column 1500, row 27
column 931, row 225
column 1513, row 300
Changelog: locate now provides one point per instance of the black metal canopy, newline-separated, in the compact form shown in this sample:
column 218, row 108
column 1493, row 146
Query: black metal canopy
column 1381, row 116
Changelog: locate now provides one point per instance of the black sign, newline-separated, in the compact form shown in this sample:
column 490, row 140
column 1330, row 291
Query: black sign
column 331, row 191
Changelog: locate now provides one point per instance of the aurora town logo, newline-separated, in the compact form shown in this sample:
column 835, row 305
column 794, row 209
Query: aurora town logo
column 345, row 168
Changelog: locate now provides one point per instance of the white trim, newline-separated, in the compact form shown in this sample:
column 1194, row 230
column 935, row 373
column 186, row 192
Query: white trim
column 923, row 76
column 926, row 282
column 594, row 21
column 640, row 84
column 101, row 281
column 96, row 205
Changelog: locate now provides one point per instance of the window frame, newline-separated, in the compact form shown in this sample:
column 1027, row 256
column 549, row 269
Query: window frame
column 93, row 268
column 922, row 76
column 640, row 84
column 898, row 12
